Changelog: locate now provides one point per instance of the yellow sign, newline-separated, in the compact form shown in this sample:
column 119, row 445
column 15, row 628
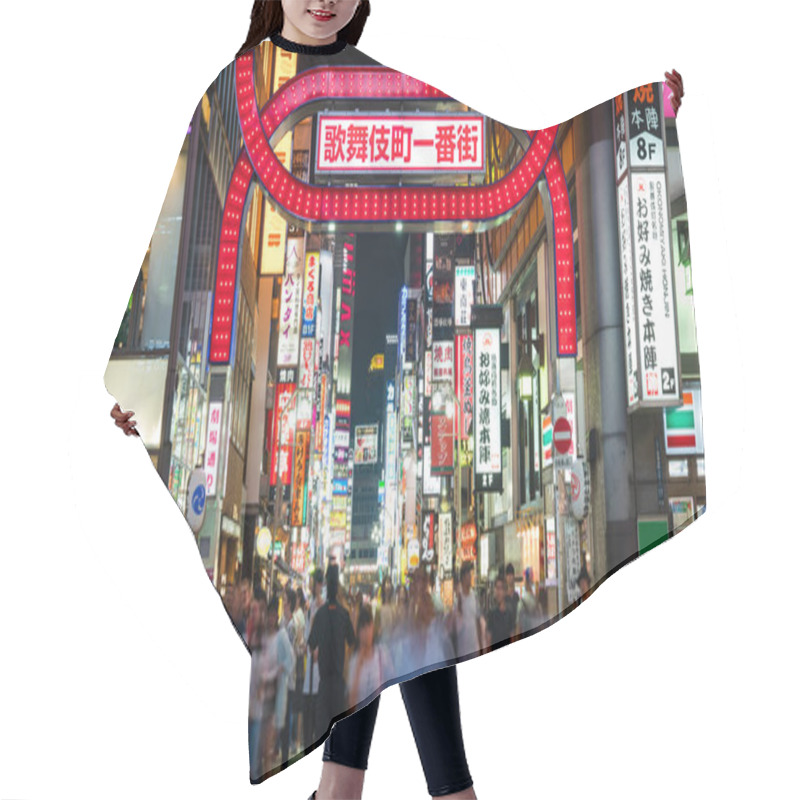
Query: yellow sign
column 273, row 243
column 376, row 365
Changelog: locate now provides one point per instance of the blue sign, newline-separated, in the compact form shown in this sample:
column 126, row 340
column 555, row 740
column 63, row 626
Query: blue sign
column 199, row 499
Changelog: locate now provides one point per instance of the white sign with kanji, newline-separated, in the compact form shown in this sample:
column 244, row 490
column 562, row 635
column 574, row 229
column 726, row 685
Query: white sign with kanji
column 213, row 431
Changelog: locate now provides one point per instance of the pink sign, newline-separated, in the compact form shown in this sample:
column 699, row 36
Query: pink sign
column 383, row 142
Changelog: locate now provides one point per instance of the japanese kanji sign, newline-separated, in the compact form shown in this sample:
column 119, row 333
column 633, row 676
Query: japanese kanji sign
column 488, row 459
column 652, row 358
column 213, row 434
column 400, row 142
column 289, row 322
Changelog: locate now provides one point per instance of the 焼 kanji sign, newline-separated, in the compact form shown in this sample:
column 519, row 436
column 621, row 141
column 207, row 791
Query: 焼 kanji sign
column 645, row 241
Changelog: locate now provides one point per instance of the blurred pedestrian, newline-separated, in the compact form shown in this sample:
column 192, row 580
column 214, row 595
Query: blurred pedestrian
column 279, row 666
column 512, row 598
column 500, row 620
column 386, row 611
column 401, row 606
column 528, row 606
column 370, row 665
column 438, row 605
column 466, row 616
column 261, row 694
column 330, row 631
column 311, row 674
column 584, row 583
column 289, row 623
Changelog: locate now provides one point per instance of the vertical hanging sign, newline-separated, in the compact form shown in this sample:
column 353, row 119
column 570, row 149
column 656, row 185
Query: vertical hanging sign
column 645, row 239
column 299, row 493
column 310, row 292
column 289, row 322
column 213, row 437
column 487, row 460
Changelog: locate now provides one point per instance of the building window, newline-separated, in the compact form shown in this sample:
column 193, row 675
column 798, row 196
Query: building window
column 679, row 468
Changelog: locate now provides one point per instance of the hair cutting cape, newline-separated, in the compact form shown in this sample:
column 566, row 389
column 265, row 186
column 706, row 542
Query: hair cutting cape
column 378, row 329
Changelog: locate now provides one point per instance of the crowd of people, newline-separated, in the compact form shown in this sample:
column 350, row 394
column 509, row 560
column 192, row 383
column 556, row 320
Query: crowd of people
column 319, row 654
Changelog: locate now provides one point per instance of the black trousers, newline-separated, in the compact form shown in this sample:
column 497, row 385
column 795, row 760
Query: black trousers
column 431, row 701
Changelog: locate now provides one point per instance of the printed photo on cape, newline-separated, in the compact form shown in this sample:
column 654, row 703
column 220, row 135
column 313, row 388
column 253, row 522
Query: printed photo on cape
column 418, row 381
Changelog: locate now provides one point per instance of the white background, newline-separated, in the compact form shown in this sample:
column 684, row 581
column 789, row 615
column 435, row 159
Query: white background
column 121, row 674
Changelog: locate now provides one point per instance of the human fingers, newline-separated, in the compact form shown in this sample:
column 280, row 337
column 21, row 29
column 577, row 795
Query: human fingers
column 128, row 426
column 128, row 430
column 118, row 414
column 675, row 80
column 673, row 87
column 125, row 423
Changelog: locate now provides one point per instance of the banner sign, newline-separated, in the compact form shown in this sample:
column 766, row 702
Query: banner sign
column 464, row 378
column 465, row 287
column 345, row 277
column 443, row 362
column 307, row 363
column 289, row 322
column 488, row 460
column 310, row 293
column 441, row 444
column 213, row 439
column 413, row 142
column 299, row 493
column 283, row 427
column 366, row 449
column 645, row 240
column 431, row 484
column 580, row 489
column 683, row 426
column 446, row 542
column 468, row 536
column 428, row 536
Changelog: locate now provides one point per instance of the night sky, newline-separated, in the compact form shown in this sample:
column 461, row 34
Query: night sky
column 379, row 277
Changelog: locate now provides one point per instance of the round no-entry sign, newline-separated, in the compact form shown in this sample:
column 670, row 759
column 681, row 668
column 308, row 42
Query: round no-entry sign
column 562, row 435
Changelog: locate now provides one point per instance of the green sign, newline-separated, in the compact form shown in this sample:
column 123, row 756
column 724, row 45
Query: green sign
column 651, row 533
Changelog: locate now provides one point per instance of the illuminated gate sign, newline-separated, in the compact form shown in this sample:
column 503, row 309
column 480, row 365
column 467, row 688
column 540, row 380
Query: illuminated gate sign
column 400, row 143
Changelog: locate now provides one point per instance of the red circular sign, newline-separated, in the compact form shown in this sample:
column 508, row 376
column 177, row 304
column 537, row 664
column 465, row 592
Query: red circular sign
column 562, row 435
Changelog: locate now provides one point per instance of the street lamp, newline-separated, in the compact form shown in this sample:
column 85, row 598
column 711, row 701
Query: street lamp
column 525, row 377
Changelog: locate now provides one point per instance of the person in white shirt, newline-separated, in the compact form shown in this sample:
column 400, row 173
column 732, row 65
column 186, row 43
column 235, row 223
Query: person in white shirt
column 370, row 665
column 466, row 617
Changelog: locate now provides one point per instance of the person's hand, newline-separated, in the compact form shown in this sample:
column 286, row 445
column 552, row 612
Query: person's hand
column 123, row 420
column 675, row 83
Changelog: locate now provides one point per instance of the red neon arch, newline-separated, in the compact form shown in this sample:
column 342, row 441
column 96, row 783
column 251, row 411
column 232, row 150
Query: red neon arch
column 372, row 204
